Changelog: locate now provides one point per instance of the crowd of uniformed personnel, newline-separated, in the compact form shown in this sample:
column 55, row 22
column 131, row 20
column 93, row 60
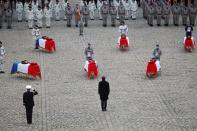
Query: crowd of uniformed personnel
column 162, row 9
column 34, row 12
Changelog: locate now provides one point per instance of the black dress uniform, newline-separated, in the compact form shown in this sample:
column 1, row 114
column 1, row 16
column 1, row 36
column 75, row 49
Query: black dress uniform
column 28, row 102
column 103, row 90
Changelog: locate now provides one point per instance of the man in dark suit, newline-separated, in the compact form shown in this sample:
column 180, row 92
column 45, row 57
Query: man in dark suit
column 28, row 102
column 103, row 90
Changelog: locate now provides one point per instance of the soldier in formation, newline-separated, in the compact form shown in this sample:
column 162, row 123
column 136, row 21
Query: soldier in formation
column 113, row 13
column 104, row 12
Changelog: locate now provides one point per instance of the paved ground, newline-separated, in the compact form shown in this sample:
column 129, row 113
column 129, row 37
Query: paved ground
column 68, row 101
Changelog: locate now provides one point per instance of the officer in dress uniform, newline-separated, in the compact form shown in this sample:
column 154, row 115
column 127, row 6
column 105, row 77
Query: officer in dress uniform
column 184, row 14
column 28, row 102
column 121, row 11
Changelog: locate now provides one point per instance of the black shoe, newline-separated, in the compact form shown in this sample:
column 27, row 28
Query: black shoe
column 48, row 27
column 9, row 27
column 36, row 48
column 158, row 25
column 166, row 24
column 76, row 25
column 2, row 72
column 0, row 27
column 86, row 25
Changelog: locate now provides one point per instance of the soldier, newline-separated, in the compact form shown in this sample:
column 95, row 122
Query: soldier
column 25, row 10
column 89, row 52
column 184, row 14
column 104, row 12
column 81, row 26
column 1, row 13
column 8, row 15
column 159, row 14
column 48, row 15
column 145, row 7
column 2, row 53
column 117, row 4
column 151, row 13
column 192, row 14
column 166, row 14
column 176, row 11
column 77, row 14
column 99, row 5
column 30, row 17
column 121, row 12
column 92, row 8
column 157, row 52
column 39, row 15
column 19, row 10
column 127, row 6
column 85, row 12
column 64, row 4
column 134, row 7
column 35, row 8
column 69, row 13
column 28, row 102
column 57, row 9
column 113, row 13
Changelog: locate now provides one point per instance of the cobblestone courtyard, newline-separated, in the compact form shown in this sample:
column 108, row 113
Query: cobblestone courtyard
column 68, row 100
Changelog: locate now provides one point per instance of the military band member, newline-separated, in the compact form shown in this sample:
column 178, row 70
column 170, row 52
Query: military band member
column 81, row 26
column 57, row 8
column 25, row 10
column 117, row 4
column 30, row 17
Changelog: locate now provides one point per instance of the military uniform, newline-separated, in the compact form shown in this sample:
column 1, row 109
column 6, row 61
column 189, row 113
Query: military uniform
column 19, row 10
column 113, row 13
column 192, row 14
column 30, row 18
column 184, row 14
column 81, row 27
column 2, row 53
column 57, row 9
column 158, row 14
column 151, row 13
column 166, row 14
column 86, row 12
column 39, row 15
column 133, row 9
column 69, row 14
column 92, row 9
column 48, row 15
column 8, row 15
column 104, row 12
column 122, row 12
column 99, row 5
column 176, row 11
column 1, row 14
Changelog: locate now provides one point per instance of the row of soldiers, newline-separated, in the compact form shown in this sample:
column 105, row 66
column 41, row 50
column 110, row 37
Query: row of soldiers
column 32, row 12
column 162, row 9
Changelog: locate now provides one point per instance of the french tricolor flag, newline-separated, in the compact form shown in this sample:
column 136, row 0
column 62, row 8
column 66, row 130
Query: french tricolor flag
column 32, row 69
